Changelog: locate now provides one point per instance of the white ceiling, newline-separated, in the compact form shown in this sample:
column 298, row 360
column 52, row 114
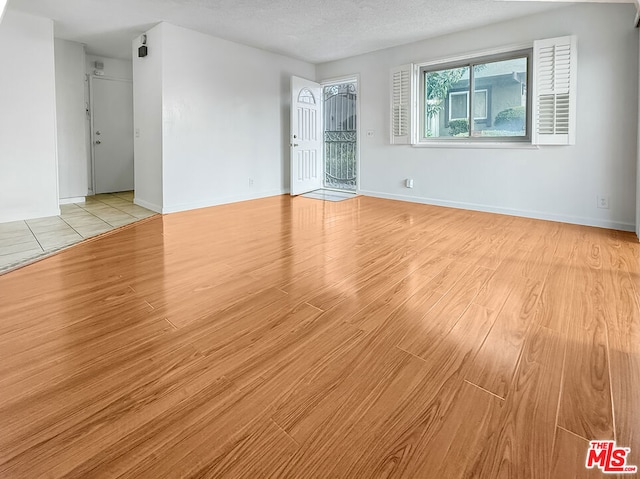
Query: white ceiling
column 311, row 30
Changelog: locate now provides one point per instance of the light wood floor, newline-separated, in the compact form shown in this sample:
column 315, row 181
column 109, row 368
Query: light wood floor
column 295, row 338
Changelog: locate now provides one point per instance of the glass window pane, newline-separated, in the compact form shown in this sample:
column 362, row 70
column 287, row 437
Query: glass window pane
column 500, row 98
column 447, row 103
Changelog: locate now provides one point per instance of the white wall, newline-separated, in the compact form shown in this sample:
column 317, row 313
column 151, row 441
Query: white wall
column 559, row 183
column 71, row 118
column 28, row 169
column 147, row 117
column 225, row 118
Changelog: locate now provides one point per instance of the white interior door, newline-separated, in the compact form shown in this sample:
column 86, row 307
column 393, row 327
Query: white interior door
column 112, row 135
column 306, row 136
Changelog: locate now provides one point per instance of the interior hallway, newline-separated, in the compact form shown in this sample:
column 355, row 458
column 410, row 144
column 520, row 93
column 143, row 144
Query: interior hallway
column 24, row 241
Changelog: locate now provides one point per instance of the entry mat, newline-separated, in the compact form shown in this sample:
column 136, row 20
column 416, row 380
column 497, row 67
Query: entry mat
column 329, row 195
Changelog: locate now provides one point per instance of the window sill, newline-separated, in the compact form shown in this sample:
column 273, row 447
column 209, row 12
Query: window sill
column 477, row 145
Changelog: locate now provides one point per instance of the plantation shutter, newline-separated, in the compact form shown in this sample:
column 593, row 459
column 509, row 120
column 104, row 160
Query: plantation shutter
column 401, row 89
column 554, row 94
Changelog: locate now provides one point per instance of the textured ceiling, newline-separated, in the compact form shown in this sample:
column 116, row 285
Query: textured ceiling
column 315, row 31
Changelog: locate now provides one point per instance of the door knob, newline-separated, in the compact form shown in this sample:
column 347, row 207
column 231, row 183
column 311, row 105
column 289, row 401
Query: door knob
column 98, row 142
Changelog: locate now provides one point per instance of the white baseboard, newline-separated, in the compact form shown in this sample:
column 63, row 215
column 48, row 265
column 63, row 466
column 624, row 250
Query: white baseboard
column 147, row 205
column 221, row 201
column 68, row 201
column 11, row 216
column 616, row 225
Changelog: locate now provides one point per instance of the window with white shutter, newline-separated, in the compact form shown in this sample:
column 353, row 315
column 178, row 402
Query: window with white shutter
column 554, row 80
column 401, row 110
column 512, row 95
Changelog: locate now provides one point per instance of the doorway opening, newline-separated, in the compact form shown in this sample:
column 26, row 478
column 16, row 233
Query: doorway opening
column 111, row 127
column 340, row 135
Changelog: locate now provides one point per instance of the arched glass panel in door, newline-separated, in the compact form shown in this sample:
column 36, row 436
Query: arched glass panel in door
column 306, row 96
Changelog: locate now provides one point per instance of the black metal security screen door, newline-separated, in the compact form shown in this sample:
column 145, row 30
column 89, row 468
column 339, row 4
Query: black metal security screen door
column 340, row 137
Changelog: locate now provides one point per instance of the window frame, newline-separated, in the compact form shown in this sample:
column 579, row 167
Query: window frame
column 466, row 93
column 470, row 61
column 458, row 93
column 487, row 99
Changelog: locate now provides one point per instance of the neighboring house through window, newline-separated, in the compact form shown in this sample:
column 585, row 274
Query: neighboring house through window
column 459, row 105
column 500, row 104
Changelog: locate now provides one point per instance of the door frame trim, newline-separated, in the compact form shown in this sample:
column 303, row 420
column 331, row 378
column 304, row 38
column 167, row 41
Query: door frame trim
column 92, row 152
column 337, row 81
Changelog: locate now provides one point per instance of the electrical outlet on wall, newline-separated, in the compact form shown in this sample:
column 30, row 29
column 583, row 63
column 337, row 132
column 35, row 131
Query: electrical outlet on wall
column 250, row 181
column 603, row 202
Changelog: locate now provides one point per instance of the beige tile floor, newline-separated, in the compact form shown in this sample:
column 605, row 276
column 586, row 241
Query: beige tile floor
column 23, row 241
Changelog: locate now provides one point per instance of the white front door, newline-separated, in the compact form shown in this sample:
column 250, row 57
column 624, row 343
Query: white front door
column 306, row 136
column 112, row 135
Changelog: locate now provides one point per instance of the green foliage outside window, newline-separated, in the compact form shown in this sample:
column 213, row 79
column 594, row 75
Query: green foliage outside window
column 459, row 127
column 511, row 119
column 438, row 85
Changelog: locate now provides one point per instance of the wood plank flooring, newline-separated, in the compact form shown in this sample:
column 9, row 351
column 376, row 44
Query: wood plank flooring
column 295, row 338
